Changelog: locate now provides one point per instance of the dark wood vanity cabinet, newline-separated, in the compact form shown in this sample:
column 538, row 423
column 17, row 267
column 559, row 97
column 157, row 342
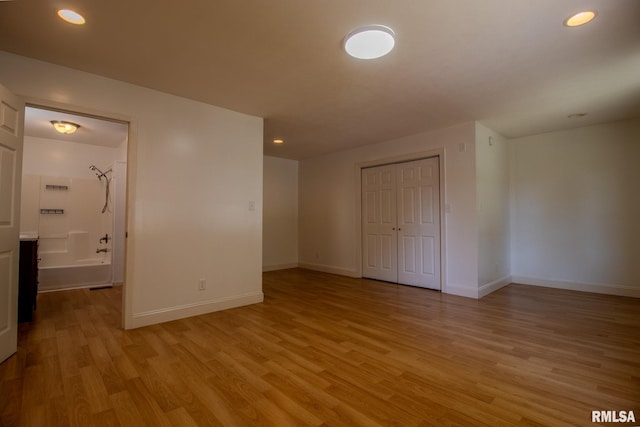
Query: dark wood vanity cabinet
column 27, row 280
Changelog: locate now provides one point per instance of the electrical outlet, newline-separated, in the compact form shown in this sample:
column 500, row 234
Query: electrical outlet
column 202, row 284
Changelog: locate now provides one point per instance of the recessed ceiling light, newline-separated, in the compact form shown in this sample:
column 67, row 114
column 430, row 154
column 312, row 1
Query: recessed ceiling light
column 71, row 16
column 580, row 18
column 370, row 42
column 66, row 128
column 278, row 141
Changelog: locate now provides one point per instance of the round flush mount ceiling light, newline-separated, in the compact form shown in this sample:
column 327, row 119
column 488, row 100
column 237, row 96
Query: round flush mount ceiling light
column 580, row 18
column 66, row 128
column 71, row 16
column 370, row 42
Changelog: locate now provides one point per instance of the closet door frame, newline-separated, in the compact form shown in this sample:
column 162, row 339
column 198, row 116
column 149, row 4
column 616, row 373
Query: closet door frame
column 440, row 153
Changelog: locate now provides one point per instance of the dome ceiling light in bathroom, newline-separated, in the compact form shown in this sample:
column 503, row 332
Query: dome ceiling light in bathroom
column 369, row 42
column 66, row 128
column 71, row 16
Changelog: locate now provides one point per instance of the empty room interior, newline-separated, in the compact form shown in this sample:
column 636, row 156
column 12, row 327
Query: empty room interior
column 320, row 213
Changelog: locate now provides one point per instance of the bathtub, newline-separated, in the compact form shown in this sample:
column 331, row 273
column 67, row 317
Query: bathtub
column 82, row 274
column 68, row 261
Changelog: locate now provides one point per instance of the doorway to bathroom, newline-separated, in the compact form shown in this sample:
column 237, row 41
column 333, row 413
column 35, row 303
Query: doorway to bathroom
column 73, row 200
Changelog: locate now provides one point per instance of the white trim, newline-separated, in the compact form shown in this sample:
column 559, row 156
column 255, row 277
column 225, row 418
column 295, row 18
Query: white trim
column 490, row 287
column 330, row 269
column 462, row 291
column 599, row 288
column 279, row 267
column 195, row 309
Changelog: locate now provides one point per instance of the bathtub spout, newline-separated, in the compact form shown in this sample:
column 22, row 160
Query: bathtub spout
column 101, row 250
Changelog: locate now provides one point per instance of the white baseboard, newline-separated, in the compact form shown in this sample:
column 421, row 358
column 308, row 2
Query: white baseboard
column 461, row 291
column 279, row 267
column 487, row 288
column 180, row 312
column 599, row 288
column 329, row 269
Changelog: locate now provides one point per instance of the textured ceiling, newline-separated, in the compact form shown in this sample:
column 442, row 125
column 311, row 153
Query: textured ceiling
column 508, row 63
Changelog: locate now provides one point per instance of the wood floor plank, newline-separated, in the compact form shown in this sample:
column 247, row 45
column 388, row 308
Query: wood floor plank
column 96, row 391
column 146, row 404
column 208, row 396
column 326, row 350
column 77, row 401
column 183, row 392
column 126, row 411
column 108, row 418
column 10, row 401
column 180, row 417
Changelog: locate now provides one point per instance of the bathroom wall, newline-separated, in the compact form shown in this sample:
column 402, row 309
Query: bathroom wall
column 119, row 211
column 53, row 157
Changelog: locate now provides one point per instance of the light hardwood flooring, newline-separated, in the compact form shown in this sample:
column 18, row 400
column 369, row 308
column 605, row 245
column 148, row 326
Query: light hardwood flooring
column 329, row 350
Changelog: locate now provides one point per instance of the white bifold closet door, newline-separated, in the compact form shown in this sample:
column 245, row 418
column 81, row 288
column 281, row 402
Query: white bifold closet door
column 401, row 223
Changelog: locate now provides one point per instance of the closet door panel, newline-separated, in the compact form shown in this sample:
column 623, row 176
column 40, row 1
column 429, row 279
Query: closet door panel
column 380, row 245
column 419, row 223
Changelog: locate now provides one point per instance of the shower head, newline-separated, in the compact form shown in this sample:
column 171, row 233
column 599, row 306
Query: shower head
column 99, row 173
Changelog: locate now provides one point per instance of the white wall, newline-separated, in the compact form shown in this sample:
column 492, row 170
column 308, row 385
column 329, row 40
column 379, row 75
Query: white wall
column 492, row 180
column 53, row 157
column 193, row 170
column 280, row 217
column 576, row 208
column 329, row 200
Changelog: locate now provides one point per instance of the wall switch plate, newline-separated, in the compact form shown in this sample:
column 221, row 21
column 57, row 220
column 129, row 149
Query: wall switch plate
column 202, row 284
column 252, row 205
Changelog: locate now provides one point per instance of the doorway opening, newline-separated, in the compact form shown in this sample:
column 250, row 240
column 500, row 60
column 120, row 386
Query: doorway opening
column 74, row 197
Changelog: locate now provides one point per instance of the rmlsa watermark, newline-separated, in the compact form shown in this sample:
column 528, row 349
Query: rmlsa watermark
column 613, row 417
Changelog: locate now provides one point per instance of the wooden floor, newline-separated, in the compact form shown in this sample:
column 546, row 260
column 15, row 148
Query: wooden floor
column 329, row 350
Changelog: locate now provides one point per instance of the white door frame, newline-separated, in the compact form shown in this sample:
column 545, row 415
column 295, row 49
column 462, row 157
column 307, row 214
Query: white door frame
column 440, row 153
column 127, row 309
